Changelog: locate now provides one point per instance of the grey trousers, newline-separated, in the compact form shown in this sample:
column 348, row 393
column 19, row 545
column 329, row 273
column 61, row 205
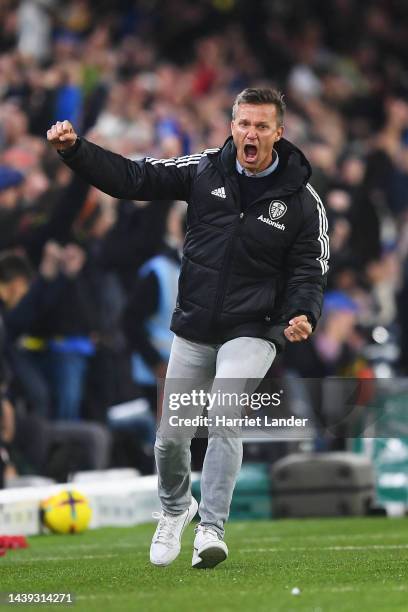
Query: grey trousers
column 245, row 359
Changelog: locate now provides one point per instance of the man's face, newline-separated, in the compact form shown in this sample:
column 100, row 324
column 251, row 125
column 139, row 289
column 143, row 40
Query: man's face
column 12, row 292
column 255, row 130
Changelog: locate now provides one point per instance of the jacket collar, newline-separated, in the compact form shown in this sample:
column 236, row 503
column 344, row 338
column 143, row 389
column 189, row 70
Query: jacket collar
column 292, row 173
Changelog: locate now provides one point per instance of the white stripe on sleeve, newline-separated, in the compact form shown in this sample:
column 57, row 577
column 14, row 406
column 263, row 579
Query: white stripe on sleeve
column 323, row 238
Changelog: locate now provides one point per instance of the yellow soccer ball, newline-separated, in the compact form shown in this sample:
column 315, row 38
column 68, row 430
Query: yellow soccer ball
column 66, row 512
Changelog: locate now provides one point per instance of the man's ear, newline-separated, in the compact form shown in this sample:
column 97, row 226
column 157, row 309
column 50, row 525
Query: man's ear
column 279, row 133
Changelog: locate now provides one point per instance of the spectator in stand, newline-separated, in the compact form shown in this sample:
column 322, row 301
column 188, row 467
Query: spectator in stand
column 49, row 322
column 335, row 351
column 147, row 321
column 10, row 193
column 331, row 349
column 56, row 449
column 31, row 444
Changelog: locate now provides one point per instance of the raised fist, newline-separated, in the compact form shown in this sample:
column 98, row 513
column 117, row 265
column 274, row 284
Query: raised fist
column 62, row 135
column 299, row 329
column 51, row 260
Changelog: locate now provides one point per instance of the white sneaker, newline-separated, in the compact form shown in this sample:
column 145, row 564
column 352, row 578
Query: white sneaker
column 209, row 549
column 166, row 542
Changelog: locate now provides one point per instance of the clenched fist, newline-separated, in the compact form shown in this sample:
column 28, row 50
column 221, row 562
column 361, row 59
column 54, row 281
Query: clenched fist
column 299, row 329
column 62, row 135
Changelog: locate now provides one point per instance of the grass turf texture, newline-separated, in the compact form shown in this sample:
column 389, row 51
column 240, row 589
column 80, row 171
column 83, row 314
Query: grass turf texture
column 341, row 565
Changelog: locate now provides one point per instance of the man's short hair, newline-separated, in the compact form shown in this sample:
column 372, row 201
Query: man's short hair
column 14, row 265
column 261, row 95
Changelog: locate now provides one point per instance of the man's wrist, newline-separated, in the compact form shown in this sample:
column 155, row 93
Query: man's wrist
column 66, row 153
column 310, row 318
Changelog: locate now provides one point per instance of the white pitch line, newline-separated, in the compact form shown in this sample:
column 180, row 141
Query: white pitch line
column 318, row 536
column 351, row 589
column 267, row 539
column 64, row 558
column 92, row 545
column 334, row 548
column 355, row 536
column 369, row 546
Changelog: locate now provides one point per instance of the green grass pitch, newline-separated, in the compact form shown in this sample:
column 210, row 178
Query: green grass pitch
column 341, row 565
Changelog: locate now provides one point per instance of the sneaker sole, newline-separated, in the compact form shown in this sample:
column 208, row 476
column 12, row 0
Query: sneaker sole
column 192, row 511
column 209, row 557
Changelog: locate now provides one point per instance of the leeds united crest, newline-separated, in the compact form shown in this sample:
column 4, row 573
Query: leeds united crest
column 277, row 209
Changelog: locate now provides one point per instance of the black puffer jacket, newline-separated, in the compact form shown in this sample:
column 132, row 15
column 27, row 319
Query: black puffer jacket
column 243, row 274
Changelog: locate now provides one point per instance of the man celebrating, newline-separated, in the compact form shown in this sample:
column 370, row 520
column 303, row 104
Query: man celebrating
column 253, row 271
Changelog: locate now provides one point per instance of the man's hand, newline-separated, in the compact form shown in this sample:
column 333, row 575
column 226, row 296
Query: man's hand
column 299, row 329
column 51, row 260
column 62, row 135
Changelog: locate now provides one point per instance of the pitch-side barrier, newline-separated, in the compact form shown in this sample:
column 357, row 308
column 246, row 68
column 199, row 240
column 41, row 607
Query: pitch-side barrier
column 114, row 503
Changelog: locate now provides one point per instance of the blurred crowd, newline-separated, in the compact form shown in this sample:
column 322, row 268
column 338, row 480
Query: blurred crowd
column 82, row 276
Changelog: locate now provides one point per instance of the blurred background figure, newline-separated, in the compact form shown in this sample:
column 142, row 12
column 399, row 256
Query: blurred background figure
column 32, row 444
column 49, row 320
column 333, row 347
column 147, row 320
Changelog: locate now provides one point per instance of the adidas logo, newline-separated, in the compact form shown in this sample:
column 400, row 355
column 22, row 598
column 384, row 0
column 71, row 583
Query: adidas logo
column 219, row 192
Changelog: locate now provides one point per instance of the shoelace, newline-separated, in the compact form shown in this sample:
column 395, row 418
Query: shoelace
column 165, row 527
column 204, row 529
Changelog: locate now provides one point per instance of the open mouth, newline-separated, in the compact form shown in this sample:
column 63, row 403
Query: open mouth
column 250, row 153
